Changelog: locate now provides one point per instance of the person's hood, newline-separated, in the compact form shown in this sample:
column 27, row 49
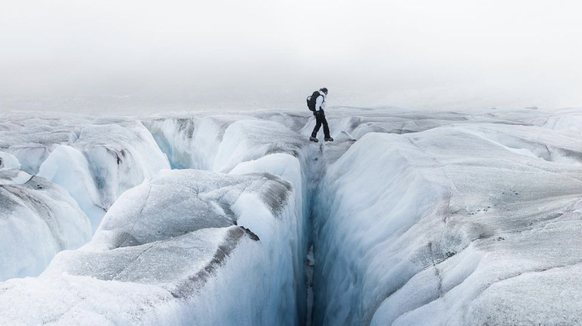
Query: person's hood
column 322, row 93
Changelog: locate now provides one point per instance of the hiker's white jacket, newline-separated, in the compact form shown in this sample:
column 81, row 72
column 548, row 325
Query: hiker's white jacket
column 320, row 101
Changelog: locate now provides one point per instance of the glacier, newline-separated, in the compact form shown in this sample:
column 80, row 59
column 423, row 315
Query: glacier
column 199, row 218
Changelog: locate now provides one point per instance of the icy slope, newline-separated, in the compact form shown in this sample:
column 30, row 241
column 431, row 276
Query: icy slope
column 121, row 154
column 459, row 225
column 170, row 252
column 8, row 161
column 37, row 220
column 93, row 160
column 107, row 156
column 191, row 142
column 219, row 143
column 242, row 145
column 68, row 167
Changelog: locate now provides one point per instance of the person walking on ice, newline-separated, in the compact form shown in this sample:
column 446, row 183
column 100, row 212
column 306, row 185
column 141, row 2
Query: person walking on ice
column 316, row 103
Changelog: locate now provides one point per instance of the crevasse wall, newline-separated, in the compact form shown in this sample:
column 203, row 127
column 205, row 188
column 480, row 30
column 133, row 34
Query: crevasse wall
column 456, row 225
column 174, row 250
column 242, row 145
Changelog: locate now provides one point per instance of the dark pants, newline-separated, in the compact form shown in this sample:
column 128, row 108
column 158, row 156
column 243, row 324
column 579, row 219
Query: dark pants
column 320, row 119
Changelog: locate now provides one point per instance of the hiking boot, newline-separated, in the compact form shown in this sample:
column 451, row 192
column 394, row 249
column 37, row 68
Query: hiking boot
column 313, row 139
column 328, row 139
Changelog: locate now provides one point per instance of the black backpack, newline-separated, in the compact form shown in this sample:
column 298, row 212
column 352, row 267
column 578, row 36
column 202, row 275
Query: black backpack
column 311, row 100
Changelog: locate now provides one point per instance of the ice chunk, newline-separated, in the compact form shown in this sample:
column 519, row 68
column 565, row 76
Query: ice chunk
column 68, row 168
column 169, row 252
column 252, row 139
column 8, row 161
column 191, row 142
column 31, row 156
column 121, row 155
column 31, row 139
column 37, row 220
column 121, row 152
column 219, row 143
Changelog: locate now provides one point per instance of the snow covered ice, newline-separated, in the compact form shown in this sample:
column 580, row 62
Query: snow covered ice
column 37, row 219
column 415, row 218
column 95, row 160
column 175, row 241
column 468, row 223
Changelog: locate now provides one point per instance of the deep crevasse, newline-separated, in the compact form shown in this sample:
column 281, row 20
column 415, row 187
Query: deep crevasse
column 245, row 145
column 257, row 236
column 449, row 220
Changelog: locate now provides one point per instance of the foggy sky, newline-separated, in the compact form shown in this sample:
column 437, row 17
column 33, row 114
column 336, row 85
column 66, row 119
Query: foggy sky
column 451, row 54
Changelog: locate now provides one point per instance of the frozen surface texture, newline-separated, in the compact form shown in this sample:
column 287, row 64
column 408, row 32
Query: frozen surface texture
column 219, row 143
column 121, row 154
column 95, row 160
column 179, row 248
column 191, row 142
column 37, row 220
column 462, row 224
column 8, row 161
column 415, row 218
column 68, row 167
